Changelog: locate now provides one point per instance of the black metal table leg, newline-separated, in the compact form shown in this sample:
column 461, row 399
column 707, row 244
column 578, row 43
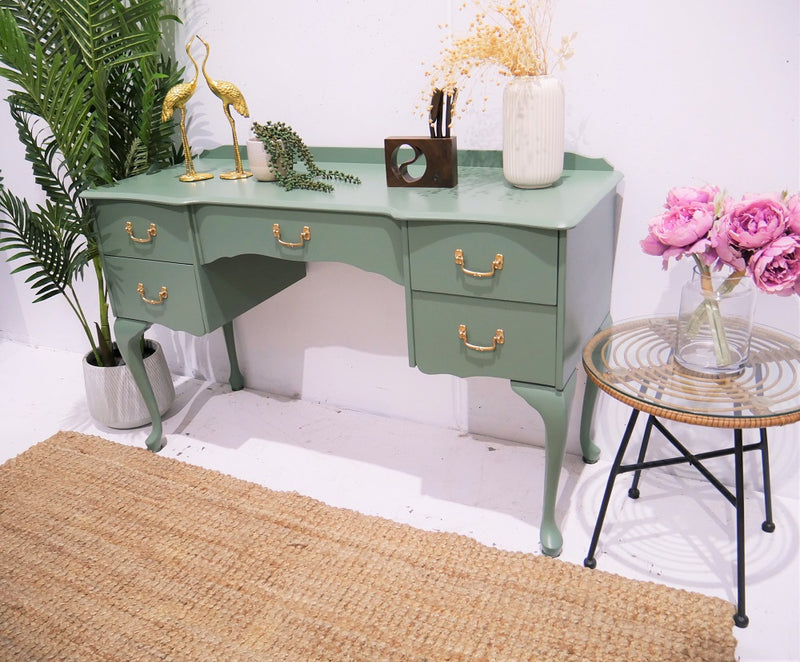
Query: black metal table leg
column 590, row 561
column 768, row 524
column 633, row 491
column 740, row 618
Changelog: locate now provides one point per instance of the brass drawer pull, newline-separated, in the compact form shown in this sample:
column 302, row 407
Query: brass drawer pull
column 498, row 339
column 305, row 235
column 497, row 265
column 151, row 232
column 162, row 295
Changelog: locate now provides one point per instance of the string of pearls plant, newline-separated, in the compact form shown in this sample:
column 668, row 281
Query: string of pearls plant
column 286, row 148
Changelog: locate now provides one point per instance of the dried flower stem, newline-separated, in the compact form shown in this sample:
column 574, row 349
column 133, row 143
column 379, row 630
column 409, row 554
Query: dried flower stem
column 510, row 37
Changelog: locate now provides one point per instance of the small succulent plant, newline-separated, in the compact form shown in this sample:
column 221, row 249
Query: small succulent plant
column 286, row 149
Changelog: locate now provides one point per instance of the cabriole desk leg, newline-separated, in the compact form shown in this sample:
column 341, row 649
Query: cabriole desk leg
column 553, row 406
column 129, row 337
column 590, row 452
column 237, row 379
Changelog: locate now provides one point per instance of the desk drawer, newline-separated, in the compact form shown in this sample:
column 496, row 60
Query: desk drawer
column 373, row 243
column 527, row 352
column 168, row 294
column 153, row 232
column 529, row 270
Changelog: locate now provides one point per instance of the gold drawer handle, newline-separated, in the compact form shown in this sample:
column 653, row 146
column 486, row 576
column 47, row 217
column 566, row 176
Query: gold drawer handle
column 498, row 339
column 305, row 235
column 162, row 295
column 497, row 265
column 151, row 232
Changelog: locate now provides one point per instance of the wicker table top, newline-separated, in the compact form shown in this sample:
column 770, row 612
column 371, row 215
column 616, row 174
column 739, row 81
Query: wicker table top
column 632, row 362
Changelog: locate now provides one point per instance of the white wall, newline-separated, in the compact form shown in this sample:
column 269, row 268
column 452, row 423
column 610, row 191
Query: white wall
column 671, row 93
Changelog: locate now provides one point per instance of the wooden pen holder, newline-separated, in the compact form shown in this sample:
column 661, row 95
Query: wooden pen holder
column 441, row 161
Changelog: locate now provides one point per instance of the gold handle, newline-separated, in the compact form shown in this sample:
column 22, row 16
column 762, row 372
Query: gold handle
column 305, row 235
column 151, row 232
column 498, row 339
column 497, row 265
column 162, row 295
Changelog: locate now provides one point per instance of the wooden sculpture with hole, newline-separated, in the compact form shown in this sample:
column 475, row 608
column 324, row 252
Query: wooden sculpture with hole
column 230, row 96
column 177, row 97
column 439, row 150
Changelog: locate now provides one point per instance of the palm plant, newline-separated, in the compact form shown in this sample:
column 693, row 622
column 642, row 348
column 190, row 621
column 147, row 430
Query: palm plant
column 87, row 82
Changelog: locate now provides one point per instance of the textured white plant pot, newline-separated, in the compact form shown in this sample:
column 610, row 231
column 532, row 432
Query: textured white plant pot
column 258, row 161
column 113, row 397
column 533, row 131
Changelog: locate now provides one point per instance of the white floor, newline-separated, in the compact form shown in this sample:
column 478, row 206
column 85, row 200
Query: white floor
column 680, row 532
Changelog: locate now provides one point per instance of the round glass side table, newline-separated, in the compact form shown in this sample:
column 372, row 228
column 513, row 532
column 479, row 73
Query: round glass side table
column 632, row 362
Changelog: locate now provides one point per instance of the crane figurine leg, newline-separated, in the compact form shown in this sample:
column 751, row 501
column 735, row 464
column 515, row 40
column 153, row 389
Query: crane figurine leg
column 240, row 172
column 191, row 174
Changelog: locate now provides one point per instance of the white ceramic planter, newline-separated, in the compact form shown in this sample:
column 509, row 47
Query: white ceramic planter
column 533, row 131
column 258, row 161
column 113, row 397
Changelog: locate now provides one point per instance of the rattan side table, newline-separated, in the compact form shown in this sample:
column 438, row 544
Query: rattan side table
column 632, row 362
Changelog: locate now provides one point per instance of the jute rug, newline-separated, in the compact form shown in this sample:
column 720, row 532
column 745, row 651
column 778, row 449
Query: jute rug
column 109, row 552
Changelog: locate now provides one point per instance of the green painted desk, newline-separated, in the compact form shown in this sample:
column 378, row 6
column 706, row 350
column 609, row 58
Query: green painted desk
column 499, row 281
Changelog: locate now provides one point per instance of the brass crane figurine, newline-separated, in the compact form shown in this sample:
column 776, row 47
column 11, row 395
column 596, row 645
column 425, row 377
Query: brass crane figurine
column 177, row 97
column 231, row 96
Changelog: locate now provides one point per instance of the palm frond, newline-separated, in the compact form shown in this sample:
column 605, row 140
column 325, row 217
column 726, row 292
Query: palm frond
column 45, row 240
column 42, row 151
column 15, row 50
column 109, row 32
column 38, row 23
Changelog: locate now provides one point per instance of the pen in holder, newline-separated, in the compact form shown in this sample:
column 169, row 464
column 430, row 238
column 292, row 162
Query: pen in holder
column 439, row 150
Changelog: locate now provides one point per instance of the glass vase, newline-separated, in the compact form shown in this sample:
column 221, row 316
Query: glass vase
column 715, row 322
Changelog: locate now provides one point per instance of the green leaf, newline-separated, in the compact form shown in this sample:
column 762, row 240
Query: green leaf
column 86, row 85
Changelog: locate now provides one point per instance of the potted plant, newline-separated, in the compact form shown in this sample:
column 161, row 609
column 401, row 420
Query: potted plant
column 87, row 84
column 512, row 39
column 275, row 150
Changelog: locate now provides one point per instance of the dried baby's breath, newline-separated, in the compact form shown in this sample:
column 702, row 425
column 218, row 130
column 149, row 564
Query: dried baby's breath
column 511, row 38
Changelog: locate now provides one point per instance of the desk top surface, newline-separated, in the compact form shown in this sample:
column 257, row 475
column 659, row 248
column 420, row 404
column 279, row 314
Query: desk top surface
column 632, row 362
column 482, row 194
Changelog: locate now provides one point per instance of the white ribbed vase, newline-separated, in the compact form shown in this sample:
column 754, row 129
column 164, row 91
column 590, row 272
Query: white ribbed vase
column 533, row 131
column 114, row 399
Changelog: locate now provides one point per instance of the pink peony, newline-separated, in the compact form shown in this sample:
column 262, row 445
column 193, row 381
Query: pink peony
column 681, row 196
column 776, row 267
column 793, row 214
column 726, row 252
column 684, row 227
column 754, row 223
column 748, row 226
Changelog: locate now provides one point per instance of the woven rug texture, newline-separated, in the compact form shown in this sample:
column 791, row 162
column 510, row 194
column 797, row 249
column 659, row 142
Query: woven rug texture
column 110, row 552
